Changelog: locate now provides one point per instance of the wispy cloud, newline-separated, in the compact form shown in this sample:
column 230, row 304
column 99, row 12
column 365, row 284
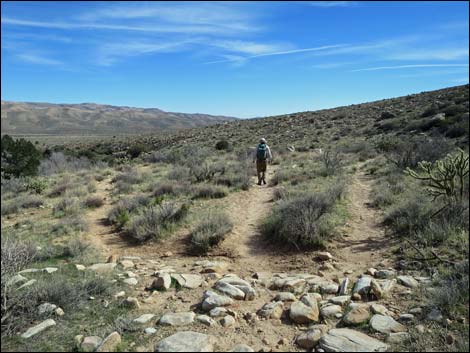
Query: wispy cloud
column 285, row 52
column 431, row 54
column 397, row 67
column 327, row 4
column 149, row 27
column 39, row 59
column 110, row 53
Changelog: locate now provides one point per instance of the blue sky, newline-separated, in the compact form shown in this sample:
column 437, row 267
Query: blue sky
column 243, row 59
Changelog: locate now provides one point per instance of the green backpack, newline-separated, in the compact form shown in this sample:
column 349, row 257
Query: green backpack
column 261, row 152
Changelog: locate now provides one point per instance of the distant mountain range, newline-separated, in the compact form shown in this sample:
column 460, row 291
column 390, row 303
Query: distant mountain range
column 96, row 119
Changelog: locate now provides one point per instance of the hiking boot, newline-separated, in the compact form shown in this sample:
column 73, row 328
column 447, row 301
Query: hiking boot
column 264, row 182
column 259, row 182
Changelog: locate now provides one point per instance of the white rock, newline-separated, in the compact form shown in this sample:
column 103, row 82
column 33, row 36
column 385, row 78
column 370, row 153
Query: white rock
column 347, row 340
column 143, row 319
column 186, row 341
column 38, row 328
column 385, row 324
column 177, row 319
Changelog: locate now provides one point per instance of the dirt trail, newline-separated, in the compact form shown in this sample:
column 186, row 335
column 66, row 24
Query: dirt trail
column 363, row 242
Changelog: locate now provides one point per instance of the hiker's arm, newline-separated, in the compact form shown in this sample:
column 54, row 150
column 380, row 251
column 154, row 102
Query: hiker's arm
column 270, row 156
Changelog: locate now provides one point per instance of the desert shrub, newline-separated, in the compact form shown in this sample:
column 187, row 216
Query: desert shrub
column 153, row 222
column 129, row 176
column 18, row 157
column 206, row 171
column 13, row 186
column 459, row 130
column 408, row 153
column 62, row 187
column 15, row 256
column 432, row 110
column 120, row 213
column 93, row 201
column 70, row 225
column 208, row 192
column 22, row 202
column 179, row 173
column 236, row 180
column 298, row 222
column 36, row 185
column 122, row 187
column 282, row 175
column 165, row 188
column 66, row 207
column 453, row 110
column 332, row 163
column 222, row 145
column 386, row 115
column 58, row 162
column 210, row 232
column 68, row 291
column 80, row 251
column 136, row 150
column 91, row 186
column 452, row 295
column 382, row 196
column 409, row 215
column 444, row 178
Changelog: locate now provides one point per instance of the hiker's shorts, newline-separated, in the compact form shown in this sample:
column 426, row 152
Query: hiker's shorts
column 261, row 166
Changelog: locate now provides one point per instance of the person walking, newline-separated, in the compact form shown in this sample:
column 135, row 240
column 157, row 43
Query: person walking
column 262, row 157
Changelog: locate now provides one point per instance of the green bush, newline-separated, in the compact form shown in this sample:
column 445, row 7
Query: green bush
column 19, row 157
column 299, row 222
column 37, row 185
column 210, row 232
column 22, row 202
column 93, row 202
column 209, row 192
column 120, row 213
column 222, row 145
column 154, row 222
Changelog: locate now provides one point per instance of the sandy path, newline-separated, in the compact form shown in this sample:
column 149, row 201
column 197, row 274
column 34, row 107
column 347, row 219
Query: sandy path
column 363, row 243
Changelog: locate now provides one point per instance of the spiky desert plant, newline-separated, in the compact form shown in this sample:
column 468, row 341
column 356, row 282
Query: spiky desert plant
column 444, row 178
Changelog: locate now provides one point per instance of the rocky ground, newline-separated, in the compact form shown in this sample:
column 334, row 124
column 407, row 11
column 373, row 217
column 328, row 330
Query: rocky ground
column 205, row 306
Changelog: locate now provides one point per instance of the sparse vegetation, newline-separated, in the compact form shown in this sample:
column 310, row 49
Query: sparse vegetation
column 300, row 222
column 210, row 232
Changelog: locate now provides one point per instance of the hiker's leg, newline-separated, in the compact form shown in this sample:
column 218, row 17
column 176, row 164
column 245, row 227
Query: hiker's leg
column 258, row 171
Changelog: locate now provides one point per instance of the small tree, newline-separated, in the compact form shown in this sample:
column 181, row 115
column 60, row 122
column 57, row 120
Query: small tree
column 444, row 178
column 19, row 158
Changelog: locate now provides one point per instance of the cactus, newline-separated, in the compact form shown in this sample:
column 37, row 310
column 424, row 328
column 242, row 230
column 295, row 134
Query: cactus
column 444, row 178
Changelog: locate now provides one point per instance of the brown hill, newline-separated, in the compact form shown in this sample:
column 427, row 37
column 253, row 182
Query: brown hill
column 96, row 119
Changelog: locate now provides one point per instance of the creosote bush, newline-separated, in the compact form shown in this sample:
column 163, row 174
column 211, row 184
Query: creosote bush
column 154, row 222
column 210, row 232
column 208, row 192
column 299, row 221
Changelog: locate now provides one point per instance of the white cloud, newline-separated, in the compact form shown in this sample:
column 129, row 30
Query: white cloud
column 39, row 59
column 397, row 67
column 285, row 52
column 327, row 4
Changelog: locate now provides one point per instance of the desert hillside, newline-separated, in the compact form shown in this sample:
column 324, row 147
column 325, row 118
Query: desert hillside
column 95, row 119
column 166, row 242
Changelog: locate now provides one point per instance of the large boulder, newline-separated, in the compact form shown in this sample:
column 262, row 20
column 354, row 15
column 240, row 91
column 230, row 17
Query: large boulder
column 347, row 340
column 186, row 341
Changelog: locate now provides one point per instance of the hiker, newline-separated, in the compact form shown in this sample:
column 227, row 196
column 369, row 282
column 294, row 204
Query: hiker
column 262, row 157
